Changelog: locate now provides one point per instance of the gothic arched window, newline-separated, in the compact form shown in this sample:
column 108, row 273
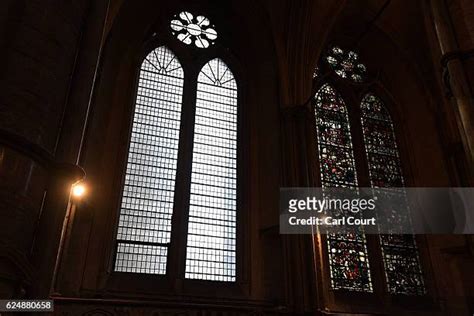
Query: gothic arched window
column 144, row 228
column 347, row 254
column 348, row 260
column 212, row 214
column 179, row 192
column 399, row 252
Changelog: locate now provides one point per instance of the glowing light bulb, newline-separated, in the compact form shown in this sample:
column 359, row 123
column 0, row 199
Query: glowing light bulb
column 78, row 190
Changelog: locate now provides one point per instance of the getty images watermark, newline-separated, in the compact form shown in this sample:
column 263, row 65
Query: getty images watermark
column 324, row 205
column 377, row 211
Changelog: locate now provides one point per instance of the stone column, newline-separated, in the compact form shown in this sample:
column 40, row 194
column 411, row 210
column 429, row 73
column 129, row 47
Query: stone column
column 39, row 43
column 458, row 82
column 297, row 150
column 462, row 16
column 299, row 39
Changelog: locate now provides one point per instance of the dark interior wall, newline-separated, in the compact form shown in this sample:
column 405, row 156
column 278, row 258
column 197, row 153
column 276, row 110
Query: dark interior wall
column 395, row 52
column 40, row 43
column 49, row 63
column 415, row 109
column 462, row 13
column 38, row 40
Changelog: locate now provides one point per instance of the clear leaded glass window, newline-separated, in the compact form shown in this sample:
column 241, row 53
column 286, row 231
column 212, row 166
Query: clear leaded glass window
column 346, row 64
column 146, row 209
column 190, row 29
column 400, row 254
column 211, row 243
column 348, row 259
column 144, row 233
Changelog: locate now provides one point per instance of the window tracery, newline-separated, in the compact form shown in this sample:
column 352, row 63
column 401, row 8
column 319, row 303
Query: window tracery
column 191, row 29
column 346, row 64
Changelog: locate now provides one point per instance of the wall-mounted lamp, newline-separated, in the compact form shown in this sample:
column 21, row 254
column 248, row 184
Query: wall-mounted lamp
column 78, row 189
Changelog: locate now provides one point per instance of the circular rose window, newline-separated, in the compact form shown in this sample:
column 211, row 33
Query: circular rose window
column 193, row 30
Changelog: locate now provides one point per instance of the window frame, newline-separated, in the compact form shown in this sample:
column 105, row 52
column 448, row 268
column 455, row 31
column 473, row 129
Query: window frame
column 192, row 59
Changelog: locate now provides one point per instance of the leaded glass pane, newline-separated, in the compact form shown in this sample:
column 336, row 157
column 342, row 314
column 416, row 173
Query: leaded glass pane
column 379, row 137
column 349, row 264
column 384, row 170
column 348, row 259
column 211, row 244
column 400, row 254
column 146, row 209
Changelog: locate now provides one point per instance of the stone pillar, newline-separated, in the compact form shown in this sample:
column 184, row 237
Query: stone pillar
column 458, row 82
column 462, row 17
column 39, row 43
column 297, row 151
column 298, row 51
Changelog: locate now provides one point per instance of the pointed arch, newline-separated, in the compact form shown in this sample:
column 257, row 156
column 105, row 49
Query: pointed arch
column 400, row 253
column 211, row 241
column 144, row 228
column 348, row 257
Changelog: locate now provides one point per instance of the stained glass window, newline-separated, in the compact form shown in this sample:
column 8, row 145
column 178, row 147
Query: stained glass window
column 190, row 29
column 348, row 259
column 400, row 253
column 144, row 227
column 211, row 244
column 346, row 64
